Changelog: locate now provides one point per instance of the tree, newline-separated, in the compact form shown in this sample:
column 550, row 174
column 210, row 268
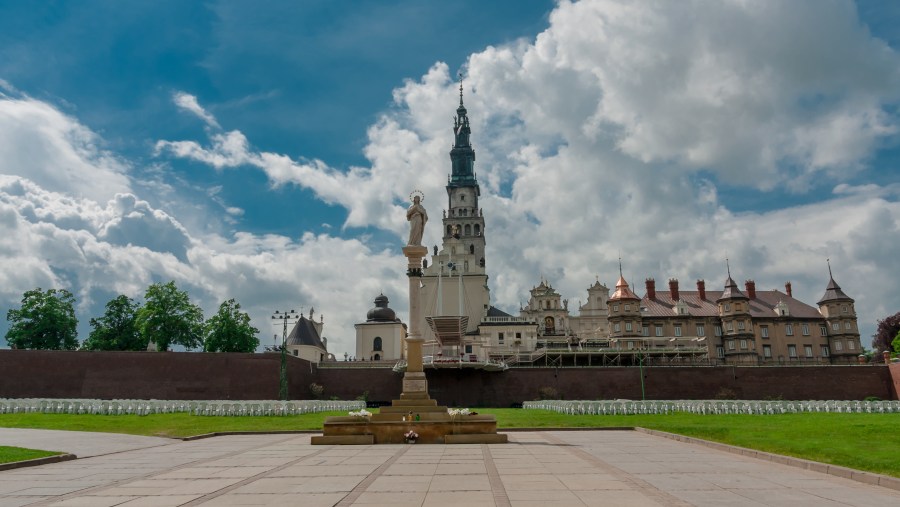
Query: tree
column 169, row 318
column 46, row 320
column 116, row 329
column 896, row 343
column 229, row 330
column 885, row 332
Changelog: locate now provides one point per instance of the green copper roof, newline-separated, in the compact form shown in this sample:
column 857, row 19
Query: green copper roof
column 462, row 156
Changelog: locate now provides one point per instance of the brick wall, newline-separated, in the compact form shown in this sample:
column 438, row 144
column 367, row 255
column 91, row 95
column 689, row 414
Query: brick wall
column 180, row 375
column 894, row 368
column 146, row 375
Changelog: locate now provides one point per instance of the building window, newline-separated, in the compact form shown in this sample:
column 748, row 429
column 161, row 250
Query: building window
column 718, row 330
column 836, row 326
column 847, row 325
column 659, row 330
column 807, row 349
column 499, row 337
column 376, row 345
column 296, row 352
column 678, row 330
column 701, row 331
column 838, row 345
column 767, row 351
column 617, row 327
column 727, row 307
column 843, row 308
column 730, row 344
column 823, row 330
column 468, row 349
column 627, row 308
column 615, row 308
column 743, row 344
column 764, row 331
column 630, row 345
column 518, row 336
column 740, row 325
column 628, row 326
column 851, row 345
column 646, row 331
column 792, row 351
column 805, row 329
column 824, row 350
column 729, row 327
column 789, row 329
column 720, row 352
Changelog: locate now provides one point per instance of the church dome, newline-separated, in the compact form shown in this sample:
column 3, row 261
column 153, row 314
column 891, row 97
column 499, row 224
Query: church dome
column 381, row 312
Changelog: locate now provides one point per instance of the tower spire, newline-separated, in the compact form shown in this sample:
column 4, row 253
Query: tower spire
column 829, row 268
column 728, row 267
column 462, row 155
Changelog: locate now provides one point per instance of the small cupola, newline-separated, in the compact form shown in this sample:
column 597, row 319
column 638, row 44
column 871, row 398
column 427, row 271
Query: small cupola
column 381, row 312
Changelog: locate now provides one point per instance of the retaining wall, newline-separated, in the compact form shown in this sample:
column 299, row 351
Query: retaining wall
column 183, row 375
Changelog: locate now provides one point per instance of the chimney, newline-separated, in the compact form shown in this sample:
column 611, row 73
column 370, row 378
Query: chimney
column 750, row 285
column 673, row 288
column 787, row 289
column 701, row 288
column 651, row 288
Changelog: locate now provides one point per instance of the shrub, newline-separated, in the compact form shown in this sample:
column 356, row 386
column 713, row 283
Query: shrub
column 548, row 393
column 316, row 390
column 726, row 394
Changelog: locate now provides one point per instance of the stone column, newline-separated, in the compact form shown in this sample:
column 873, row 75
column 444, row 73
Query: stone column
column 414, row 384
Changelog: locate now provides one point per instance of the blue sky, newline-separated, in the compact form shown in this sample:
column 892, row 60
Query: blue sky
column 263, row 150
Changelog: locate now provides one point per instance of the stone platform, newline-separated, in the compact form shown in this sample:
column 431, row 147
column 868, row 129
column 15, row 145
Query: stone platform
column 434, row 426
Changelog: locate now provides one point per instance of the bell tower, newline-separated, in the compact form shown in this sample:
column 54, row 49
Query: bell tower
column 463, row 220
column 460, row 260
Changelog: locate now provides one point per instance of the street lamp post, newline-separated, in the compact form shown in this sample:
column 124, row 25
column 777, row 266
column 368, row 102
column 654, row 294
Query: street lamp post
column 284, row 318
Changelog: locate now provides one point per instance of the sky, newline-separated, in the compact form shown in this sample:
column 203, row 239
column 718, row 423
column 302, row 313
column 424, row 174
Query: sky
column 265, row 151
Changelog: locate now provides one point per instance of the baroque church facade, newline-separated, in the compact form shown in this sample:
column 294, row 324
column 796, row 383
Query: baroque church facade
column 727, row 326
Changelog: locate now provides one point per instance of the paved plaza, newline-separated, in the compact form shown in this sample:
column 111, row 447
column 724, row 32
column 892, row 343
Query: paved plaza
column 617, row 468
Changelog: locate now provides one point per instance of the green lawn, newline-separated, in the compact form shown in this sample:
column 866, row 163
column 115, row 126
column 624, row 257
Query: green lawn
column 163, row 425
column 861, row 441
column 10, row 454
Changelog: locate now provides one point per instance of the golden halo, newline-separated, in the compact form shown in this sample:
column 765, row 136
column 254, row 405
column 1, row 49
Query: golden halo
column 416, row 192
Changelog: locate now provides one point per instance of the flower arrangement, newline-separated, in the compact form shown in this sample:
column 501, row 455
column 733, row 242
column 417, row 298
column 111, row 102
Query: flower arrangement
column 456, row 412
column 411, row 436
column 362, row 414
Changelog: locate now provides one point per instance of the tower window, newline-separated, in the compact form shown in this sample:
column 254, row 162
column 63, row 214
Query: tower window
column 462, row 197
column 477, row 229
column 468, row 230
column 376, row 345
column 472, row 249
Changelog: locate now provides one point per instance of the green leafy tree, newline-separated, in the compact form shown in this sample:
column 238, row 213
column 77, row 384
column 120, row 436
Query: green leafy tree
column 169, row 318
column 46, row 320
column 116, row 329
column 229, row 330
column 896, row 343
